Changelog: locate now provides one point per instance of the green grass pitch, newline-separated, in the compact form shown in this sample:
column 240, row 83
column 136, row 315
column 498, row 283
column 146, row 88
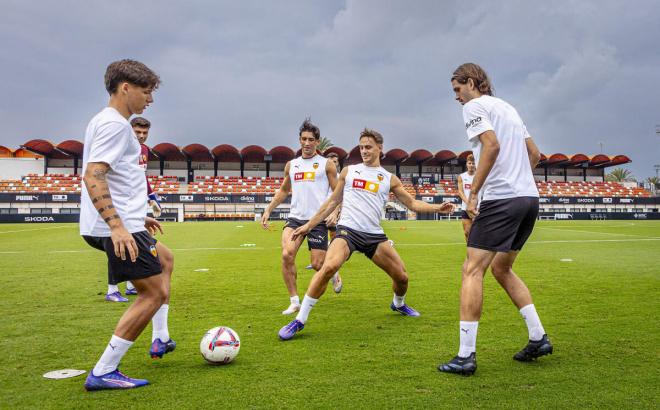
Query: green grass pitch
column 596, row 286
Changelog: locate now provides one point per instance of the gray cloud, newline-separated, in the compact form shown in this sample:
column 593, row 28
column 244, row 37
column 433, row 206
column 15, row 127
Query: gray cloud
column 248, row 72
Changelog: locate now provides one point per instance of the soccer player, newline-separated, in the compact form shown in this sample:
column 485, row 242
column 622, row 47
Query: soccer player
column 362, row 191
column 464, row 186
column 308, row 179
column 505, row 156
column 113, row 216
column 140, row 127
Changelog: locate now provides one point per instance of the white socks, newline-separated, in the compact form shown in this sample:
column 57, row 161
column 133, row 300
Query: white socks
column 533, row 322
column 295, row 300
column 399, row 300
column 159, row 324
column 468, row 338
column 111, row 356
column 112, row 288
column 129, row 285
column 306, row 307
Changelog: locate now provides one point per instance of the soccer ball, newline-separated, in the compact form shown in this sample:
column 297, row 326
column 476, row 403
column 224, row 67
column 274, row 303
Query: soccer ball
column 220, row 345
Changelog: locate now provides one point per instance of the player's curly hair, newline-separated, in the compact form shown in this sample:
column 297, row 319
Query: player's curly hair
column 469, row 158
column 132, row 72
column 309, row 127
column 472, row 71
column 373, row 134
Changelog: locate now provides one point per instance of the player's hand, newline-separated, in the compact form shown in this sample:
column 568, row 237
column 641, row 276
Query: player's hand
column 153, row 226
column 472, row 210
column 154, row 203
column 331, row 220
column 301, row 231
column 123, row 242
column 446, row 208
column 264, row 219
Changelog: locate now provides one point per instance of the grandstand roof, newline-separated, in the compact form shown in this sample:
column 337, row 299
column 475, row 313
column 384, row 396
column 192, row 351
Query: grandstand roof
column 281, row 154
column 197, row 152
column 253, row 153
column 168, row 152
column 226, row 153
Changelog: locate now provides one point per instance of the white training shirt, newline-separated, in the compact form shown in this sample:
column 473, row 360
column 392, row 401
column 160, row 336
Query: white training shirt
column 365, row 195
column 467, row 187
column 309, row 186
column 511, row 175
column 109, row 138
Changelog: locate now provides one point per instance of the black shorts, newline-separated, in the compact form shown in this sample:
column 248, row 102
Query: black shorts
column 317, row 238
column 367, row 243
column 464, row 214
column 147, row 263
column 504, row 225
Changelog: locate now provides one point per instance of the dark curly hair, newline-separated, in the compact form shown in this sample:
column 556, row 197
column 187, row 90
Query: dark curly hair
column 309, row 127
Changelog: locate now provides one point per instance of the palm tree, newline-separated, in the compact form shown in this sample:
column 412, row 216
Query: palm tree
column 324, row 144
column 654, row 182
column 619, row 175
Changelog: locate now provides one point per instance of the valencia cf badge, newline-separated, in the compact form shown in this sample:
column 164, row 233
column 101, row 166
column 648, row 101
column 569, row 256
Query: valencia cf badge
column 153, row 250
column 316, row 165
column 343, row 232
column 380, row 177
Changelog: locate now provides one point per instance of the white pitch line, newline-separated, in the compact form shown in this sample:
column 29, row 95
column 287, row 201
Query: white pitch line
column 36, row 229
column 598, row 233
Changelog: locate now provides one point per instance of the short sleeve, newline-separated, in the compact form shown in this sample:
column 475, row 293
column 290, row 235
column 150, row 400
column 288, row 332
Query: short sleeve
column 109, row 143
column 525, row 133
column 477, row 120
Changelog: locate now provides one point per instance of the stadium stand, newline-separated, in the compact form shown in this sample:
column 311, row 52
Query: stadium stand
column 225, row 183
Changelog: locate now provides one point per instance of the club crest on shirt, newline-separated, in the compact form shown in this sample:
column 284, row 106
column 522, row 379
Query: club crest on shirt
column 365, row 185
column 153, row 250
column 381, row 177
column 304, row 176
column 316, row 165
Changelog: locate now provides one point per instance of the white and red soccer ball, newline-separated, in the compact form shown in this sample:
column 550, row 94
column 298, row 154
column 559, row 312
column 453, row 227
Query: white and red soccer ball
column 220, row 345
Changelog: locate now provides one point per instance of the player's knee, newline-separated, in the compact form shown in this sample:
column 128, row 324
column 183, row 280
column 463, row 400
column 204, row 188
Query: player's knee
column 472, row 270
column 402, row 278
column 288, row 256
column 500, row 270
column 316, row 265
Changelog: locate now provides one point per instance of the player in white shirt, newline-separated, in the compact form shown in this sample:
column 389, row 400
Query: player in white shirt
column 362, row 191
column 113, row 215
column 307, row 179
column 506, row 156
column 464, row 188
column 331, row 222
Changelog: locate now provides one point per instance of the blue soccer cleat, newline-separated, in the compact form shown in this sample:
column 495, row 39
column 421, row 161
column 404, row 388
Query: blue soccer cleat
column 405, row 310
column 115, row 297
column 132, row 291
column 290, row 330
column 112, row 380
column 159, row 348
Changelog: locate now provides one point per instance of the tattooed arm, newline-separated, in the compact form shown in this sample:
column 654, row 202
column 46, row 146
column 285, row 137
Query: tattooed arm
column 97, row 188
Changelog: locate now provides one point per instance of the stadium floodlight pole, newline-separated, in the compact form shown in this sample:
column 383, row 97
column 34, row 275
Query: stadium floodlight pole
column 601, row 146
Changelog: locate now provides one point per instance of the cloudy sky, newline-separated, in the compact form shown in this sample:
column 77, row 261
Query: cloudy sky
column 581, row 73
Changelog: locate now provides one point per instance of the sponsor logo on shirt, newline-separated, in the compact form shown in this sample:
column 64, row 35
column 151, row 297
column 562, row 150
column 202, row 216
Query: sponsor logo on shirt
column 304, row 176
column 368, row 186
column 467, row 186
column 472, row 122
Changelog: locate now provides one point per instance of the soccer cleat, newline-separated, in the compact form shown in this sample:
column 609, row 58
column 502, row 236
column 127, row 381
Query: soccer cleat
column 290, row 330
column 460, row 365
column 159, row 348
column 405, row 310
column 337, row 283
column 308, row 267
column 293, row 308
column 131, row 291
column 115, row 297
column 112, row 380
column 534, row 349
